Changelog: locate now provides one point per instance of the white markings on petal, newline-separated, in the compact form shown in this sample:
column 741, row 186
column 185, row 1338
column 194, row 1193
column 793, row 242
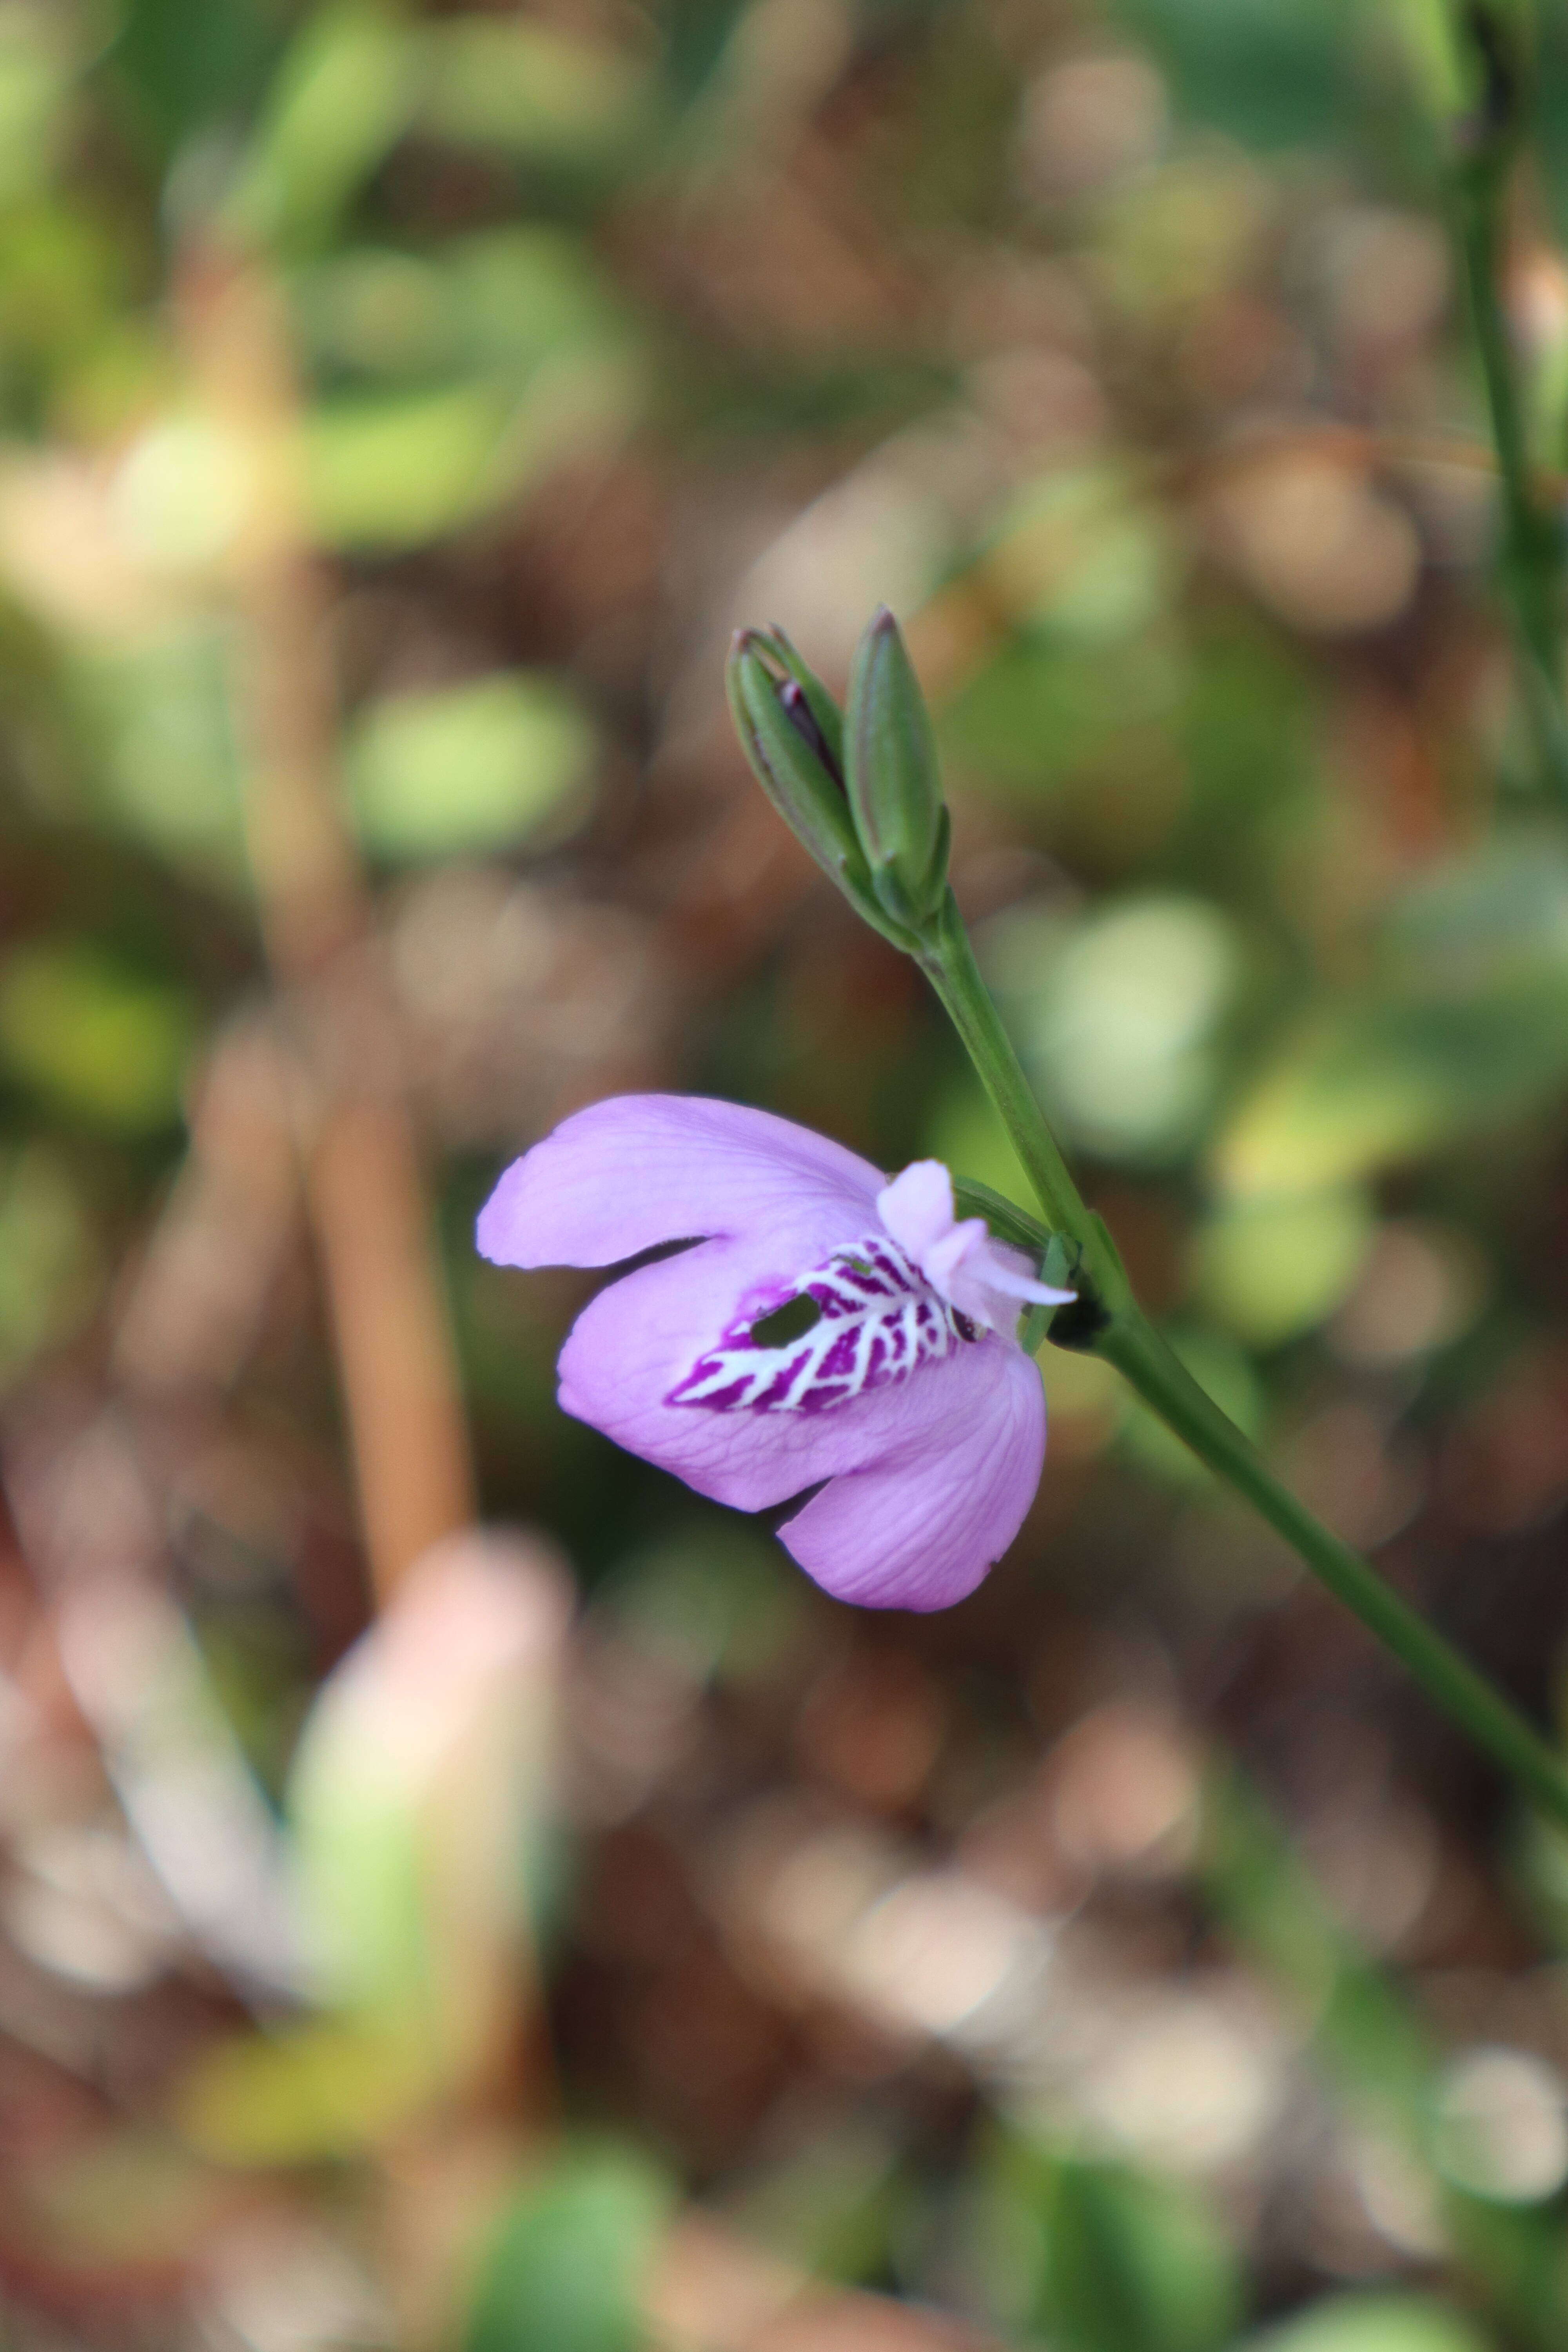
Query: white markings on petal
column 876, row 1322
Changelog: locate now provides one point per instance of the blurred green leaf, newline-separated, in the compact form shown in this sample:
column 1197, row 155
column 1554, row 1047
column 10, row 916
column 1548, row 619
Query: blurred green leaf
column 696, row 35
column 1122, row 2260
column 468, row 768
column 343, row 94
column 397, row 470
column 526, row 293
column 1116, row 1014
column 1039, row 713
column 535, row 93
column 36, row 82
column 101, row 1042
column 1274, row 1267
column 59, row 278
column 1372, row 1082
column 1079, row 556
column 1495, row 918
column 832, row 2205
column 1027, row 717
column 394, row 472
column 375, row 311
column 1269, row 72
column 1541, row 1859
column 364, row 1885
column 1464, row 1023
column 190, row 66
column 48, row 1259
column 416, row 1798
column 506, row 300
column 1248, row 711
column 1373, row 2323
column 566, row 2268
column 156, row 713
column 1550, row 108
column 301, row 2096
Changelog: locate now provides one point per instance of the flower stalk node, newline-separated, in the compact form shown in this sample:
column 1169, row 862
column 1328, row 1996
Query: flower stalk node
column 1078, row 1327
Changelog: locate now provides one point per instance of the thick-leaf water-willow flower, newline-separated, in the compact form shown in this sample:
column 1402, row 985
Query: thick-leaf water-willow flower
column 826, row 1324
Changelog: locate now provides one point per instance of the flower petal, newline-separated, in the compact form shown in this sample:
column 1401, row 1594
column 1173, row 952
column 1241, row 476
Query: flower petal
column 633, row 1345
column 916, row 1207
column 918, row 1527
column 638, row 1169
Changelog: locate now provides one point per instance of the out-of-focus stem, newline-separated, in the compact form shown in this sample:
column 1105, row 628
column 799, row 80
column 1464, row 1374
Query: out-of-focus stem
column 362, row 1178
column 1530, row 561
column 1109, row 1319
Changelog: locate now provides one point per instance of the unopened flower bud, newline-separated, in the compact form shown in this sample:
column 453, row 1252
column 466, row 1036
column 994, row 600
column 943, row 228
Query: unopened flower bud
column 803, row 718
column 790, row 732
column 894, row 782
column 811, row 706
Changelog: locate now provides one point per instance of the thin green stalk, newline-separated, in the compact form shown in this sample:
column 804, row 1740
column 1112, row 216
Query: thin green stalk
column 1531, row 562
column 1136, row 1350
column 948, row 961
column 1109, row 1319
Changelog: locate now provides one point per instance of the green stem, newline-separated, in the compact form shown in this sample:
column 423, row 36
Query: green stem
column 1531, row 556
column 1118, row 1330
column 948, row 964
column 1136, row 1349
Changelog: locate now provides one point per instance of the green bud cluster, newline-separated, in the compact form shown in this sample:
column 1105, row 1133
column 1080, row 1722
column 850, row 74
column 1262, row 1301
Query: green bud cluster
column 862, row 792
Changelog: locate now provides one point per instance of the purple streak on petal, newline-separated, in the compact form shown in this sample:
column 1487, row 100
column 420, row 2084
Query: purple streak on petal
column 918, row 1527
column 626, row 1174
column 779, row 1386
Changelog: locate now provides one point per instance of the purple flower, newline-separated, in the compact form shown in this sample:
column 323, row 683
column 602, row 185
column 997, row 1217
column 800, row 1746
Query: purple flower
column 828, row 1325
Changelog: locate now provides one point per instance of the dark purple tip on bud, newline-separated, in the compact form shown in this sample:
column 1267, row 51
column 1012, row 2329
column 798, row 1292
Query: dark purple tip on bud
column 801, row 717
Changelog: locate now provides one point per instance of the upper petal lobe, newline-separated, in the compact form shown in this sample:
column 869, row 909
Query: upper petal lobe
column 626, row 1174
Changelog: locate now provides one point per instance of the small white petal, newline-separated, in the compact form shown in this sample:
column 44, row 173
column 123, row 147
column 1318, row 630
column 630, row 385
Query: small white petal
column 916, row 1207
column 985, row 1280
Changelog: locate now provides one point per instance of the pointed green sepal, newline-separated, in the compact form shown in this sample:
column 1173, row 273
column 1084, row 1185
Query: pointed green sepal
column 893, row 779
